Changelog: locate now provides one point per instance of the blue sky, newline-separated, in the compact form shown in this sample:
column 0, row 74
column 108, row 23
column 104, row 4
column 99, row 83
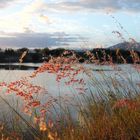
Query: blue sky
column 67, row 23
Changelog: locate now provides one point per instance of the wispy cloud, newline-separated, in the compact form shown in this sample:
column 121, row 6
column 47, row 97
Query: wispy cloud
column 21, row 19
column 5, row 3
column 96, row 5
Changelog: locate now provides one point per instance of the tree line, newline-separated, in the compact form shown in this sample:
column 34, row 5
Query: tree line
column 45, row 54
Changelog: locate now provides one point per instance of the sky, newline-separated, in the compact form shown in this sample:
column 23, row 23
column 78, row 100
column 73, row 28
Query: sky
column 68, row 23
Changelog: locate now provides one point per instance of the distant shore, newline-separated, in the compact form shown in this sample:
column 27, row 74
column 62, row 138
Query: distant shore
column 118, row 56
column 17, row 67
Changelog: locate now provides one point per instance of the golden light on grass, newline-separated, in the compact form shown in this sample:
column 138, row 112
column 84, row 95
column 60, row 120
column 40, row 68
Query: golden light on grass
column 23, row 56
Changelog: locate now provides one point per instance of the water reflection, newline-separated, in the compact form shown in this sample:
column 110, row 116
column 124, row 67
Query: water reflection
column 18, row 66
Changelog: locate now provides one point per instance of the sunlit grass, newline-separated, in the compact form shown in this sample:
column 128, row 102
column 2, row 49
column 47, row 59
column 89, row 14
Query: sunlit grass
column 111, row 112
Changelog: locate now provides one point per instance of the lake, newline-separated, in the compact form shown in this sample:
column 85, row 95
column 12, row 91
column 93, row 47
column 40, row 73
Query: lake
column 101, row 76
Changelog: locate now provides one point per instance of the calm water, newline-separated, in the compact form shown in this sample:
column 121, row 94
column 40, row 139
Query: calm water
column 100, row 74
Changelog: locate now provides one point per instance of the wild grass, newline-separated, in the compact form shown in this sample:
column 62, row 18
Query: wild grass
column 102, row 107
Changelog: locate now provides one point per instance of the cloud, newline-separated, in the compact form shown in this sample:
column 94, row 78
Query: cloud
column 44, row 18
column 21, row 19
column 36, row 40
column 28, row 30
column 5, row 3
column 96, row 5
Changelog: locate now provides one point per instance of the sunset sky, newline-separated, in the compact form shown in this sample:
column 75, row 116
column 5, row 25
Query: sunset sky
column 69, row 23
